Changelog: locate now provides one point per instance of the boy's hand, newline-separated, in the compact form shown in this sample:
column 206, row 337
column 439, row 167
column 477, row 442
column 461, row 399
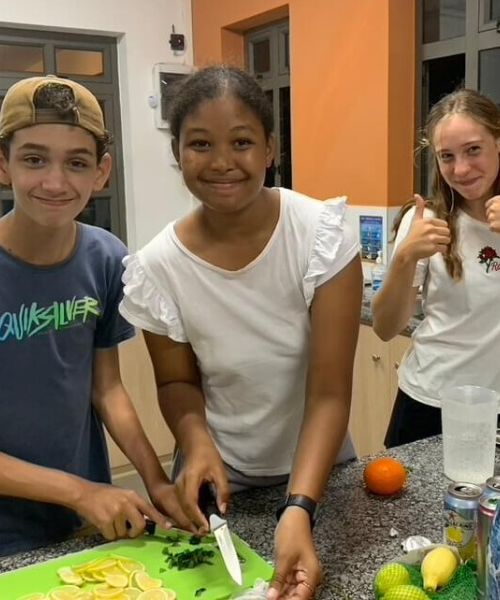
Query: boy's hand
column 493, row 213
column 202, row 465
column 116, row 512
column 164, row 497
column 426, row 236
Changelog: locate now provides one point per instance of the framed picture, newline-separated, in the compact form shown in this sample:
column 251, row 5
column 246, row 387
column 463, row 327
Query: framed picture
column 370, row 235
column 165, row 77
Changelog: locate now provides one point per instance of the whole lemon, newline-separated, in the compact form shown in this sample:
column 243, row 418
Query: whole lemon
column 390, row 576
column 406, row 592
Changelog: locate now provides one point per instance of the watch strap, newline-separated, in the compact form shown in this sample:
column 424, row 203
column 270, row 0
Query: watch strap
column 305, row 502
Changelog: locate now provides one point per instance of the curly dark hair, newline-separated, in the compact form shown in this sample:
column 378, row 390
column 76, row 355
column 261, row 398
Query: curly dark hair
column 212, row 82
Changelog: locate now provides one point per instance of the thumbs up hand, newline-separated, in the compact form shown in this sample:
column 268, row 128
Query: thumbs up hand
column 426, row 235
column 493, row 213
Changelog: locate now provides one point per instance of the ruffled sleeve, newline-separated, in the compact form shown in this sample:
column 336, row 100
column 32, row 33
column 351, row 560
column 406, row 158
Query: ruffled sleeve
column 334, row 246
column 145, row 306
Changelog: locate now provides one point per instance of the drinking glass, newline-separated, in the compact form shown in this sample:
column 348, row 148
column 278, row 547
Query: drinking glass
column 469, row 419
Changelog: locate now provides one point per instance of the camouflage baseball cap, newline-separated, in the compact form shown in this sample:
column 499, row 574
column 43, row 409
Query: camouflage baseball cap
column 23, row 106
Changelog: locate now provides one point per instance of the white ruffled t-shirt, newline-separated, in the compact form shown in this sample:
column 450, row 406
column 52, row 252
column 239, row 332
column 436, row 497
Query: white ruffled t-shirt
column 248, row 328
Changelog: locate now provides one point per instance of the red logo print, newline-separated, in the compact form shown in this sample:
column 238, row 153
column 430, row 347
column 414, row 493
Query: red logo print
column 489, row 258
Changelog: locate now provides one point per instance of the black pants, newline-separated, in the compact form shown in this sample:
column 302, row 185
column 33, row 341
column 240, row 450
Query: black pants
column 411, row 421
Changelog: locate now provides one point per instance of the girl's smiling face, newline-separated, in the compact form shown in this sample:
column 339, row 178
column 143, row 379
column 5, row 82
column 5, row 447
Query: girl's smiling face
column 468, row 157
column 223, row 154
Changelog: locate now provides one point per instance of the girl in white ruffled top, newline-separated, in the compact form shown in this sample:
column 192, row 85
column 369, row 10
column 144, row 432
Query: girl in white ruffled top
column 250, row 308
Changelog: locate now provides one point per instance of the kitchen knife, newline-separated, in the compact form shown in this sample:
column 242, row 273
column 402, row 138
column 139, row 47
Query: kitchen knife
column 220, row 530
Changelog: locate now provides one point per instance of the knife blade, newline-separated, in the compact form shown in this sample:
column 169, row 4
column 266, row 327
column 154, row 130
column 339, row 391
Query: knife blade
column 220, row 530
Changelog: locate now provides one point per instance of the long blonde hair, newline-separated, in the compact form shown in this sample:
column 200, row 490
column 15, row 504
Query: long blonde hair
column 445, row 200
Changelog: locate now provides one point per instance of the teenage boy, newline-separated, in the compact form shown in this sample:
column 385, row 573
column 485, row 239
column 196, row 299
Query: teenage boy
column 59, row 331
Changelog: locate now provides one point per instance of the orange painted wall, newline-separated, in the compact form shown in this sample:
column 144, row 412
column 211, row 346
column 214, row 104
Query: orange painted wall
column 352, row 84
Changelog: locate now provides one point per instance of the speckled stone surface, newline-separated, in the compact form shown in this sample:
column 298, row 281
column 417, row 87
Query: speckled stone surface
column 353, row 533
column 367, row 317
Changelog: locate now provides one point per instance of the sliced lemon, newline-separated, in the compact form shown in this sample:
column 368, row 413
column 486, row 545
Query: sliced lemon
column 132, row 593
column 108, row 594
column 117, row 580
column 68, row 575
column 88, row 565
column 157, row 594
column 102, row 564
column 84, row 596
column 64, row 592
column 145, row 582
column 129, row 566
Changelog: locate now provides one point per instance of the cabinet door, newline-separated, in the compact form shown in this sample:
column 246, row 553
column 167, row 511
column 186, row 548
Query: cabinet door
column 371, row 400
column 138, row 378
column 398, row 346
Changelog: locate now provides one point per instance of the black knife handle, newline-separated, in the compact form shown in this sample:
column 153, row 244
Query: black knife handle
column 150, row 526
column 207, row 500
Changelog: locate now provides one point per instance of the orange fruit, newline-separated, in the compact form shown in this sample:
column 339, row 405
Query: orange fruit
column 384, row 476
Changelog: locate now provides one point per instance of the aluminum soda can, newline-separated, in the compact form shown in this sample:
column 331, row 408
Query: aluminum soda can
column 492, row 486
column 492, row 561
column 460, row 518
column 487, row 507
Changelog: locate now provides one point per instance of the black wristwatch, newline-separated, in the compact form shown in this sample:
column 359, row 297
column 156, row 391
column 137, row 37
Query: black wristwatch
column 308, row 504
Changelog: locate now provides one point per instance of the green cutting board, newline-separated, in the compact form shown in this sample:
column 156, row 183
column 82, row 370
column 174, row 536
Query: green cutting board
column 42, row 577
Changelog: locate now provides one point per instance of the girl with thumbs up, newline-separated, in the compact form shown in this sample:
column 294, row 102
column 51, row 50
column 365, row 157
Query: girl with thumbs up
column 449, row 245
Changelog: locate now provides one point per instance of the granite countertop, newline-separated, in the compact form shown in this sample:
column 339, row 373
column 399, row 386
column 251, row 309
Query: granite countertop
column 367, row 317
column 356, row 532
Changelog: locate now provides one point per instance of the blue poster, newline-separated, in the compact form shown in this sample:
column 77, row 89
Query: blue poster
column 370, row 234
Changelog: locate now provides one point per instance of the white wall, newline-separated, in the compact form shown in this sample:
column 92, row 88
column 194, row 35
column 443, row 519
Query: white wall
column 154, row 192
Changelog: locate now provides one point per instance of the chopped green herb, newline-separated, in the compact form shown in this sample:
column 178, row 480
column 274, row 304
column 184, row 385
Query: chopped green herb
column 199, row 592
column 188, row 559
column 194, row 540
column 173, row 539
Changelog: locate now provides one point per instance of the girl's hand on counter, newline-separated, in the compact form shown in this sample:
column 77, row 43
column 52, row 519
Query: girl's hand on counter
column 426, row 236
column 116, row 512
column 202, row 464
column 164, row 497
column 298, row 571
column 493, row 213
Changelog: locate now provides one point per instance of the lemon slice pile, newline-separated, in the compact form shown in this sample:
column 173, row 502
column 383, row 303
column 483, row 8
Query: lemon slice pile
column 111, row 578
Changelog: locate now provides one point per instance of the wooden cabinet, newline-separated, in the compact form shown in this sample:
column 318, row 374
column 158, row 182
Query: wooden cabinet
column 138, row 378
column 375, row 384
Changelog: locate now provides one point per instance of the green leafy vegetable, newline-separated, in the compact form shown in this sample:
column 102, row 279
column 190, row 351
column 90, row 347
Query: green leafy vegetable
column 173, row 539
column 194, row 540
column 188, row 559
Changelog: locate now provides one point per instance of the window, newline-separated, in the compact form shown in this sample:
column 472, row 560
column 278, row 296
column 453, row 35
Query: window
column 268, row 58
column 21, row 58
column 460, row 47
column 92, row 61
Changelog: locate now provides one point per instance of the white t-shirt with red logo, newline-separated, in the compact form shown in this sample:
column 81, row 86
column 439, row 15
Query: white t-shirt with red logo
column 458, row 341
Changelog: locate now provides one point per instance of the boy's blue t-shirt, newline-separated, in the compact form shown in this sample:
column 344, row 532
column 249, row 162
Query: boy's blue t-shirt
column 52, row 319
